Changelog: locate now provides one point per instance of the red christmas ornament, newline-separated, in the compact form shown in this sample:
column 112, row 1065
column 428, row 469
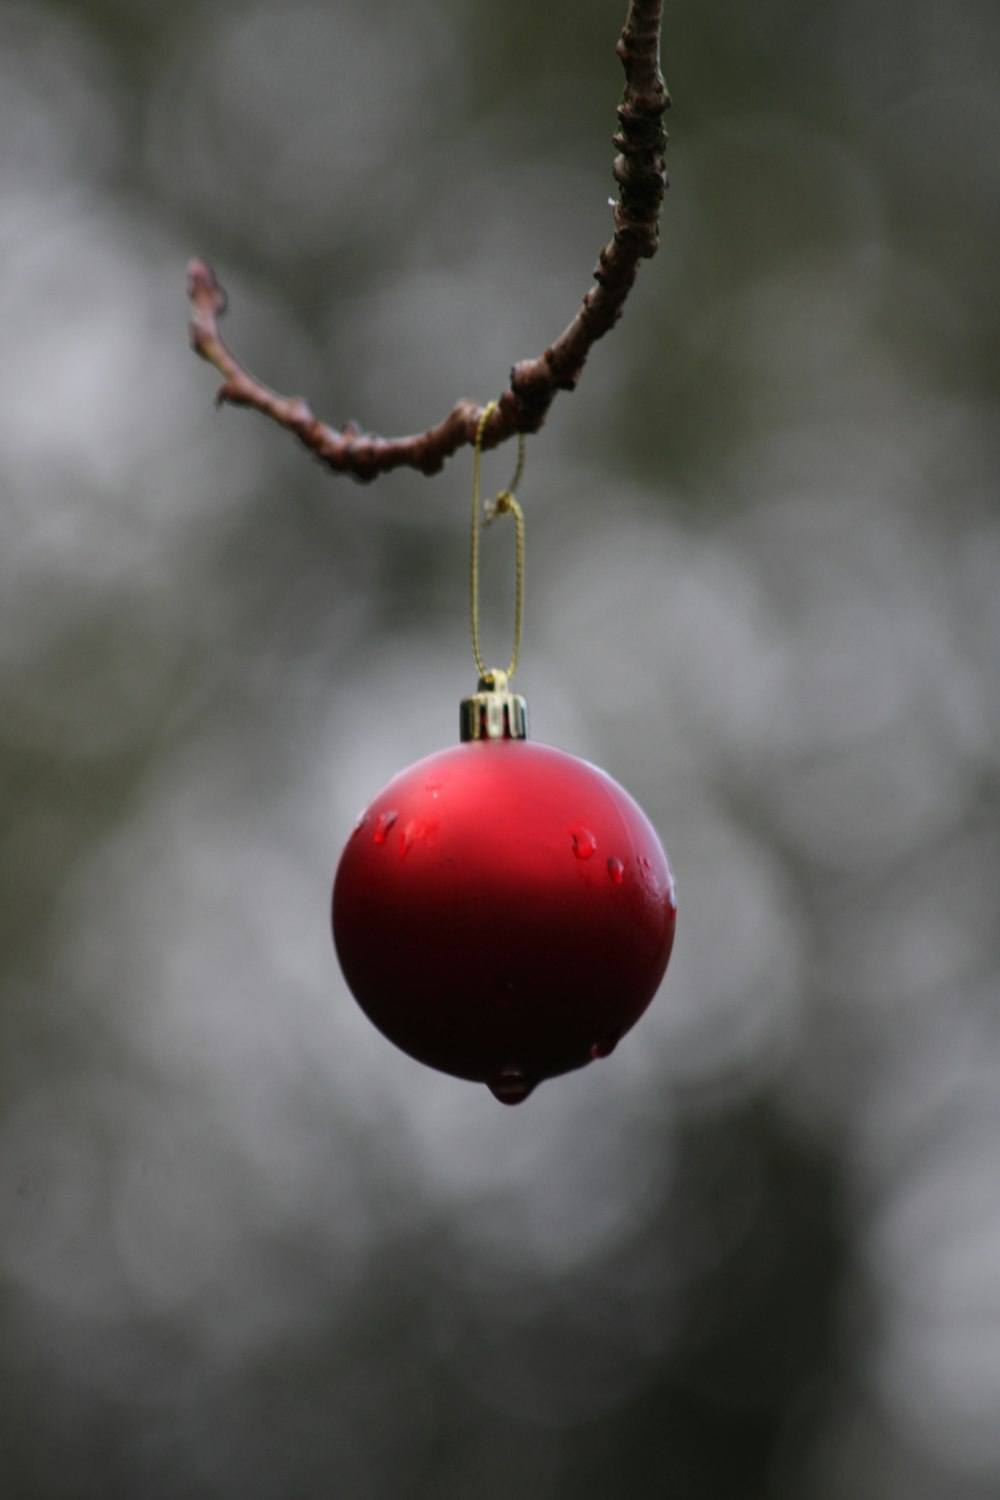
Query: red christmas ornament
column 503, row 911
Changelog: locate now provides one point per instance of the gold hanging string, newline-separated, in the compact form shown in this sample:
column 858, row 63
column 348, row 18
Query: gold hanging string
column 506, row 502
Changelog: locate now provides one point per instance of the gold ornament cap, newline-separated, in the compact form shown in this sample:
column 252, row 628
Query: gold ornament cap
column 494, row 712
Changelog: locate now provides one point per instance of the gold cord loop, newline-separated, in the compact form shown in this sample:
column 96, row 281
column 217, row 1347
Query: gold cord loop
column 505, row 503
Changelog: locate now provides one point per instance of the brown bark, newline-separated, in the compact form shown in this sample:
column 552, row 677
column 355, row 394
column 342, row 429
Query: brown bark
column 522, row 407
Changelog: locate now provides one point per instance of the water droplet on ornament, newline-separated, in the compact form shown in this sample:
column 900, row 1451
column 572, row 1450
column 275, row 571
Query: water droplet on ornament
column 616, row 870
column 434, row 787
column 509, row 1086
column 413, row 831
column 383, row 826
column 584, row 842
column 605, row 1048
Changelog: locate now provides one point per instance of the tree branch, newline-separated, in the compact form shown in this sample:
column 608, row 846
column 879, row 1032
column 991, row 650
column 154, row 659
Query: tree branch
column 641, row 178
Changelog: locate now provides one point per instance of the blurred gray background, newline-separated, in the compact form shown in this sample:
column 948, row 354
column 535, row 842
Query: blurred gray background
column 246, row 1248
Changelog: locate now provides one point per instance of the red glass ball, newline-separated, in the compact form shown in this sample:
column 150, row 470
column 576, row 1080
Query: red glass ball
column 504, row 911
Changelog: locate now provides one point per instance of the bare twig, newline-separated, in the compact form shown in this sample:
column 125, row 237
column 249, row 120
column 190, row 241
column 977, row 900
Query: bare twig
column 641, row 178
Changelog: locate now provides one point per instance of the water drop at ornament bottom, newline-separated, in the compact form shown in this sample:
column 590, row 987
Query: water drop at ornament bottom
column 509, row 1086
